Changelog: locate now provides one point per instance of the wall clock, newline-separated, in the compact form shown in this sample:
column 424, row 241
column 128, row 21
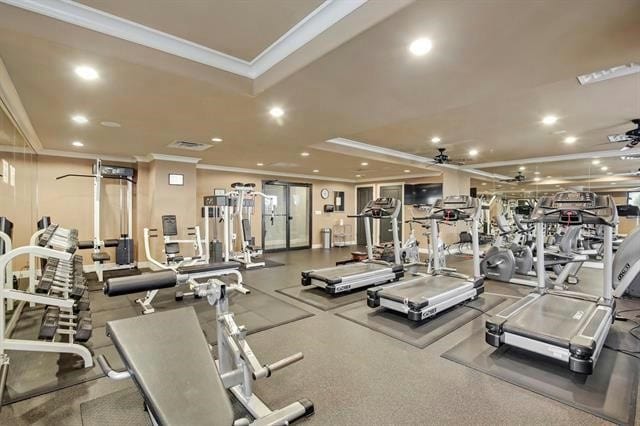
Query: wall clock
column 324, row 193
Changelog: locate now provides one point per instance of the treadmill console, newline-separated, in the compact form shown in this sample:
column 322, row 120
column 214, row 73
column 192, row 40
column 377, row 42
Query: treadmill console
column 576, row 208
column 455, row 207
column 382, row 207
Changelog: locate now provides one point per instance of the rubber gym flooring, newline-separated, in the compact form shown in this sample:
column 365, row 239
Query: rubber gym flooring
column 353, row 374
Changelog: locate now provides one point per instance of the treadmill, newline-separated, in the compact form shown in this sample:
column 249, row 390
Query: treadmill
column 424, row 296
column 350, row 276
column 568, row 326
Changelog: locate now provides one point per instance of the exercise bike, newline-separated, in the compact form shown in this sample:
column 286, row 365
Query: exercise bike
column 505, row 263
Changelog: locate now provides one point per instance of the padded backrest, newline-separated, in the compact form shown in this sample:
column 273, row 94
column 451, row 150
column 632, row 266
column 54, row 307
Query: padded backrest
column 169, row 359
column 169, row 225
column 246, row 230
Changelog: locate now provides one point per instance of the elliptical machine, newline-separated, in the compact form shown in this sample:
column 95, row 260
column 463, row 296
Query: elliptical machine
column 505, row 263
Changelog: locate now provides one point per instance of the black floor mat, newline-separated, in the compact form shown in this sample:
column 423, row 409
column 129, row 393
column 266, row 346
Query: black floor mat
column 318, row 298
column 421, row 334
column 36, row 373
column 268, row 264
column 610, row 392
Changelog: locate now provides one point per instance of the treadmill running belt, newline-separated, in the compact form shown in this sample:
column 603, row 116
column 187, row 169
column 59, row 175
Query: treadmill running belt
column 338, row 272
column 419, row 290
column 552, row 319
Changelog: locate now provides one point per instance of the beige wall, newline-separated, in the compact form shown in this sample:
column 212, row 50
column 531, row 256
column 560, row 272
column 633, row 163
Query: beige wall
column 208, row 180
column 160, row 199
column 69, row 201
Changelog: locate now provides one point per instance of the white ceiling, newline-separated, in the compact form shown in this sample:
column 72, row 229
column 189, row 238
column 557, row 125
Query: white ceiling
column 496, row 68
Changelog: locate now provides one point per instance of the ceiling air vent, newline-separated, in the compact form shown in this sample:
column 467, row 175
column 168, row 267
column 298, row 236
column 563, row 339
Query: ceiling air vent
column 191, row 146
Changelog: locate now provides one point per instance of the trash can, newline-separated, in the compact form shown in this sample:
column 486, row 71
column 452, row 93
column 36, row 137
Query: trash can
column 325, row 235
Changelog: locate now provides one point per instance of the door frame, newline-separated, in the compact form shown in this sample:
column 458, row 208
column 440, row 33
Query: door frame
column 355, row 210
column 287, row 230
column 376, row 194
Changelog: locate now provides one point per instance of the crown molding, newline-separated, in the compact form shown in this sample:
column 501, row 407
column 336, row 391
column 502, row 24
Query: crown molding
column 215, row 167
column 319, row 20
column 554, row 158
column 383, row 154
column 84, row 155
column 401, row 178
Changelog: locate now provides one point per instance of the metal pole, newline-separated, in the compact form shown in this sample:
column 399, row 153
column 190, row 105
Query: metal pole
column 540, row 271
column 367, row 232
column 476, row 247
column 607, row 270
column 434, row 246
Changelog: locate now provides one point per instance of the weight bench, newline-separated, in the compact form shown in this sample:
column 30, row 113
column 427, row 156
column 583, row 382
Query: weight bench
column 178, row 276
column 169, row 359
column 161, row 352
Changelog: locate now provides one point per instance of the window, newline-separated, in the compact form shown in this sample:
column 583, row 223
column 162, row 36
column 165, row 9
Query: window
column 634, row 198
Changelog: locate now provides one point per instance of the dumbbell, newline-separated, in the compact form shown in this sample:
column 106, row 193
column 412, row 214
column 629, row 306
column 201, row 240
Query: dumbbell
column 50, row 322
column 84, row 328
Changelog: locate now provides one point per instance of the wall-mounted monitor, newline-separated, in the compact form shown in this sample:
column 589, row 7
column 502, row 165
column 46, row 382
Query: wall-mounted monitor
column 422, row 193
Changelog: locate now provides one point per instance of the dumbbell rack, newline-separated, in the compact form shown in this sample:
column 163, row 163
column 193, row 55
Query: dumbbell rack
column 61, row 291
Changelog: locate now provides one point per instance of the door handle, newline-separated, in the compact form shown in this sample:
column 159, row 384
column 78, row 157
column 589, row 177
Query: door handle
column 290, row 217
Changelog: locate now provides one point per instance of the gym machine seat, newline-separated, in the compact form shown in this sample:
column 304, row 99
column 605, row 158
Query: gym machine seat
column 165, row 350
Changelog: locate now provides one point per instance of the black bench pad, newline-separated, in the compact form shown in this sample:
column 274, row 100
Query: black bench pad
column 169, row 359
column 100, row 256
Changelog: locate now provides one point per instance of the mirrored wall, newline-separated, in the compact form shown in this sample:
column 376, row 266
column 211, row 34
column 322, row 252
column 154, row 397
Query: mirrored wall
column 18, row 185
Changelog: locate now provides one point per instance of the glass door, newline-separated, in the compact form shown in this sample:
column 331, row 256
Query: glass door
column 299, row 215
column 274, row 227
column 290, row 226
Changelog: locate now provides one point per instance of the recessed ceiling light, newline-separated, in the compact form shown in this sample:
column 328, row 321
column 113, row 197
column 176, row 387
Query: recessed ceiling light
column 570, row 139
column 522, row 168
column 87, row 73
column 484, row 183
column 435, row 139
column 557, row 186
column 216, row 140
column 304, row 154
column 407, row 171
column 110, row 124
column 548, row 177
column 549, row 120
column 316, row 171
column 613, row 183
column 473, row 152
column 77, row 143
column 276, row 112
column 559, row 132
column 595, row 162
column 536, row 179
column 364, row 163
column 80, row 119
column 604, row 168
column 358, row 176
column 260, row 164
column 421, row 46
column 536, row 173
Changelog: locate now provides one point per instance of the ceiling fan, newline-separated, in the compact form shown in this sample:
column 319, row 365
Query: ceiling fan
column 632, row 137
column 518, row 178
column 443, row 158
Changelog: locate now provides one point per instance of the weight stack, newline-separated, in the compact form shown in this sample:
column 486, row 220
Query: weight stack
column 124, row 251
column 215, row 250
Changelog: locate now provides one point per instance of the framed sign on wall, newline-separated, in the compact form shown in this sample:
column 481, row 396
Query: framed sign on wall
column 176, row 179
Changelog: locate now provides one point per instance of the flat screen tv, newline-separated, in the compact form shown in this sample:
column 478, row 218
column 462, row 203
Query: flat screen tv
column 422, row 193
